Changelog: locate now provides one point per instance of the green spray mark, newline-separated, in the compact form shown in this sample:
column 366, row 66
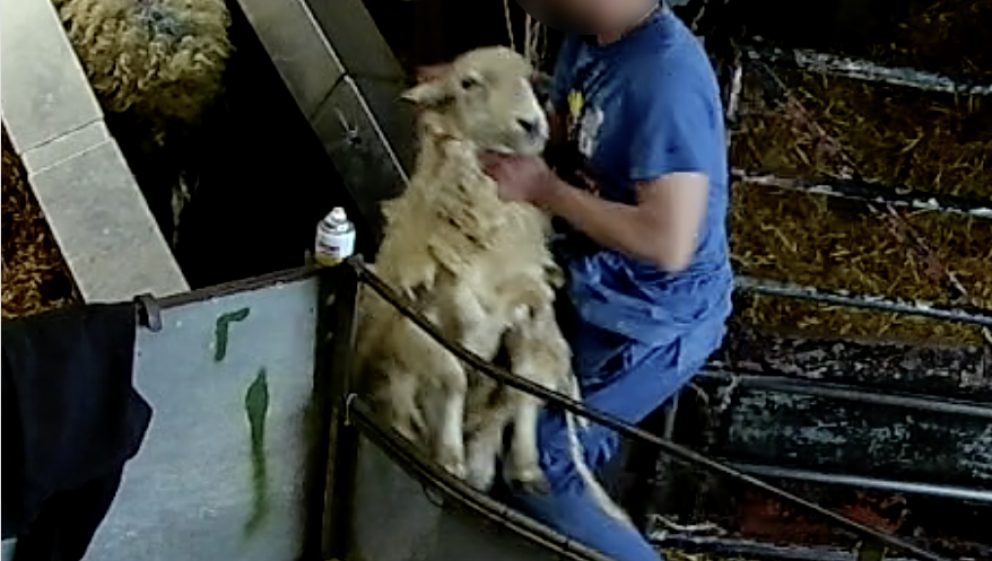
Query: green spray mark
column 220, row 331
column 257, row 405
column 871, row 551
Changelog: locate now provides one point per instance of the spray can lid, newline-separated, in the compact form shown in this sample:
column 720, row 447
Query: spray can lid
column 337, row 217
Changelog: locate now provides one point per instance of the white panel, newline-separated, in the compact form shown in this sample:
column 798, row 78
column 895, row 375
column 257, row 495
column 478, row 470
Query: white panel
column 191, row 491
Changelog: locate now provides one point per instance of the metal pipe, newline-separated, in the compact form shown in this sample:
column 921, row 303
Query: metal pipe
column 864, row 191
column 968, row 314
column 860, row 481
column 340, row 441
column 848, row 393
column 677, row 451
column 860, row 69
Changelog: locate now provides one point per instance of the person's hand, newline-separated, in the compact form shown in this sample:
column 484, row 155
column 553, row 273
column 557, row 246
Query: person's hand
column 521, row 178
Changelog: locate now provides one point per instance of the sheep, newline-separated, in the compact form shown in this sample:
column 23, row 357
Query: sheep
column 160, row 63
column 479, row 268
column 162, row 59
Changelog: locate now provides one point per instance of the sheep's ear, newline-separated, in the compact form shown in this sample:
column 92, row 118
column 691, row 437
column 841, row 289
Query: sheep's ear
column 428, row 94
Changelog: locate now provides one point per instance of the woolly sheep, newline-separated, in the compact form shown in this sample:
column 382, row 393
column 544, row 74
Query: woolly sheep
column 480, row 269
column 159, row 62
column 162, row 59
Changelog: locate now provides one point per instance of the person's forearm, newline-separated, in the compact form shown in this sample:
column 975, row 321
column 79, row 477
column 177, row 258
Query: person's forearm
column 621, row 227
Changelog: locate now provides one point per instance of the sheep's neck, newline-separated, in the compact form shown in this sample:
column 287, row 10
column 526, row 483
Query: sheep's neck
column 450, row 186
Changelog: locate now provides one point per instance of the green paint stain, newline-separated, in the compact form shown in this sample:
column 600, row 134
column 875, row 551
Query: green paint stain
column 220, row 331
column 257, row 405
column 871, row 551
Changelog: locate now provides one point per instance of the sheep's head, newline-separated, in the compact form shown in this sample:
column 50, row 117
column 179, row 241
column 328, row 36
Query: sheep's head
column 486, row 95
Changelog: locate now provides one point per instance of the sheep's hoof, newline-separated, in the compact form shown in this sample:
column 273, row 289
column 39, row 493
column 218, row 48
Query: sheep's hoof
column 481, row 473
column 455, row 468
column 407, row 431
column 529, row 480
column 452, row 463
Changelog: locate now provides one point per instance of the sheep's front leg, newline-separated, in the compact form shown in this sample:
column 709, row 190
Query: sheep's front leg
column 449, row 447
column 481, row 452
column 539, row 353
column 407, row 419
column 523, row 468
column 490, row 410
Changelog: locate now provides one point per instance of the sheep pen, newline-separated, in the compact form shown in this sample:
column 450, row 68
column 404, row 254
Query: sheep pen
column 800, row 123
column 481, row 270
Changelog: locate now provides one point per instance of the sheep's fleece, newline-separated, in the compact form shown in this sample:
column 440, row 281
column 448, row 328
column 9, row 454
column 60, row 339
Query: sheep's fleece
column 480, row 269
column 161, row 58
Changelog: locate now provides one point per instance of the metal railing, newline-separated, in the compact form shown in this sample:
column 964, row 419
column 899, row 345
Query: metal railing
column 362, row 275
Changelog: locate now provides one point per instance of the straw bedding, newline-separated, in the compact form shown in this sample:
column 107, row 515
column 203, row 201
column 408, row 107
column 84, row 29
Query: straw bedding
column 798, row 124
column 35, row 277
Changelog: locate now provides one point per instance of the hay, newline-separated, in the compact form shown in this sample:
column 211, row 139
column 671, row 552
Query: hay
column 835, row 244
column 931, row 142
column 35, row 277
column 814, row 320
column 948, row 36
column 802, row 125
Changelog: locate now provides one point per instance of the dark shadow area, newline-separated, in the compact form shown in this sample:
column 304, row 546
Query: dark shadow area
column 259, row 177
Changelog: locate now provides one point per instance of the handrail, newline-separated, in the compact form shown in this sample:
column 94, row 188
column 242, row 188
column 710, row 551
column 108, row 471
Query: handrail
column 686, row 455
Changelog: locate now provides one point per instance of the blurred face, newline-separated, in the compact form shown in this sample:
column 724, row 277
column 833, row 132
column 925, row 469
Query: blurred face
column 581, row 16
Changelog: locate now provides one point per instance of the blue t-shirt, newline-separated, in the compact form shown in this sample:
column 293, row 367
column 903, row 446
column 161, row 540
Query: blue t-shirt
column 642, row 107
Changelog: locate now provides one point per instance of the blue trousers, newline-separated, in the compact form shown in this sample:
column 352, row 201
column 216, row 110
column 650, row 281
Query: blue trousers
column 625, row 378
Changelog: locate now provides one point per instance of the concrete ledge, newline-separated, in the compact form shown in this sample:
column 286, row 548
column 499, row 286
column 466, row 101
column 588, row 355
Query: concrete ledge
column 92, row 203
column 102, row 224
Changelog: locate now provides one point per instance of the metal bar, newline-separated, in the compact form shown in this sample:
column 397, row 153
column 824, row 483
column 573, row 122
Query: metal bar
column 342, row 442
column 969, row 314
column 242, row 285
column 751, row 549
column 870, row 192
column 860, row 69
column 677, row 451
column 416, row 464
column 847, row 393
column 346, row 81
column 863, row 482
column 319, row 416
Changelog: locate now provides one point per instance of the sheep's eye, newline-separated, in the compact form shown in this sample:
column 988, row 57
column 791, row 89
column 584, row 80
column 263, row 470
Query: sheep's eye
column 469, row 82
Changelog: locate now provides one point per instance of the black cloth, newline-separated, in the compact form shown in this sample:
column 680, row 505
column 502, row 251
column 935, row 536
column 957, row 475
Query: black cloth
column 71, row 419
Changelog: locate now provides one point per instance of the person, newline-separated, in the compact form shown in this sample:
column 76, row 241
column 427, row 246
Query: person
column 640, row 178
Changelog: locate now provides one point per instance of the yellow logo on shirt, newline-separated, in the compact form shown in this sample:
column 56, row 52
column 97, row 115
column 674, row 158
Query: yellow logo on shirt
column 575, row 103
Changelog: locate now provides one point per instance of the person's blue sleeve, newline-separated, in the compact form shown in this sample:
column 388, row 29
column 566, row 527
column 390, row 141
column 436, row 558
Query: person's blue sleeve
column 671, row 122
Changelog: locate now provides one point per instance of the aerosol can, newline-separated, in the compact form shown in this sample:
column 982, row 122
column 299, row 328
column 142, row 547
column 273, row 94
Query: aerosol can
column 335, row 238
